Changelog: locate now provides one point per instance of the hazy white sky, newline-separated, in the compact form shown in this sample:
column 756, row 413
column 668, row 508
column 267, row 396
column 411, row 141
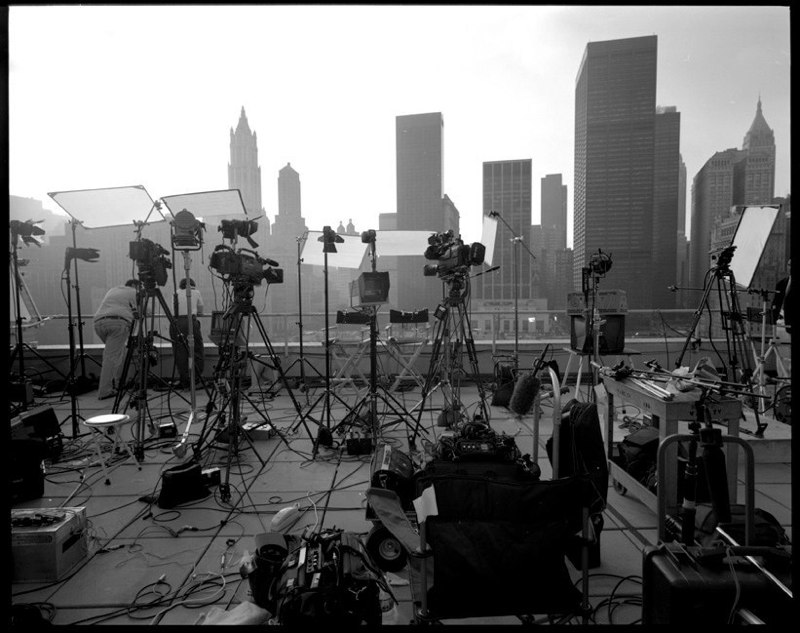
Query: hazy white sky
column 146, row 95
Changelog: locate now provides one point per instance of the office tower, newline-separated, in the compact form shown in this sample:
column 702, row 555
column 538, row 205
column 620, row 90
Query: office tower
column 554, row 235
column 419, row 146
column 286, row 243
column 244, row 173
column 615, row 132
column 554, row 213
column 731, row 177
column 666, row 194
column 507, row 190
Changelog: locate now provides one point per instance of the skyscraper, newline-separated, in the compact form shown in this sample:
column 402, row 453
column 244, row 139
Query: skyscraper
column 419, row 146
column 731, row 177
column 615, row 131
column 507, row 190
column 288, row 230
column 244, row 172
column 554, row 239
column 666, row 191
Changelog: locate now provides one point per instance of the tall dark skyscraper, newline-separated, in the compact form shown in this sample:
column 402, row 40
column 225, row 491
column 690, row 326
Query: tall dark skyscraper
column 731, row 177
column 666, row 192
column 553, row 240
column 244, row 173
column 420, row 186
column 507, row 190
column 615, row 135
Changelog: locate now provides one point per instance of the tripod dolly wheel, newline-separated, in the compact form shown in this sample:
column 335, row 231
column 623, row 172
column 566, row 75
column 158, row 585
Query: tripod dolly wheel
column 386, row 551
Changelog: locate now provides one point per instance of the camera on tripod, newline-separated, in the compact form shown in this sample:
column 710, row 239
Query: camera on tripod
column 452, row 255
column 245, row 266
column 151, row 260
column 599, row 263
column 230, row 229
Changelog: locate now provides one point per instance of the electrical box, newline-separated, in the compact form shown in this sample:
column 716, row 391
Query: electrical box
column 47, row 543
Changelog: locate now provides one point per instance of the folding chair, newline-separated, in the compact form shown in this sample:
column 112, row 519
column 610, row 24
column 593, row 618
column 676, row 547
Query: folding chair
column 407, row 335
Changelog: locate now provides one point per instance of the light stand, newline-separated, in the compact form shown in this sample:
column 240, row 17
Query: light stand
column 516, row 241
column 329, row 238
column 28, row 231
column 370, row 400
column 187, row 236
column 73, row 387
column 82, row 383
column 302, row 360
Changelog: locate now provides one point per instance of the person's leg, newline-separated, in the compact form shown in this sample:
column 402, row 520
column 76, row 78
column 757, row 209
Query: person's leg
column 116, row 343
column 114, row 334
column 105, row 386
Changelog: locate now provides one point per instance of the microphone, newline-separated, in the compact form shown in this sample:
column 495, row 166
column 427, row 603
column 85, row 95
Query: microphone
column 524, row 394
column 269, row 262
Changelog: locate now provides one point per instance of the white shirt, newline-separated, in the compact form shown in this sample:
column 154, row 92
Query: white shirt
column 197, row 303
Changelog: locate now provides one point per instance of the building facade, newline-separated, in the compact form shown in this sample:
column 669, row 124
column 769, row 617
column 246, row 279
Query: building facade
column 507, row 190
column 729, row 178
column 615, row 130
column 420, row 189
column 666, row 195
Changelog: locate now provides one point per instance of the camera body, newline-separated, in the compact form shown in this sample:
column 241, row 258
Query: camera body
column 151, row 260
column 244, row 266
column 451, row 254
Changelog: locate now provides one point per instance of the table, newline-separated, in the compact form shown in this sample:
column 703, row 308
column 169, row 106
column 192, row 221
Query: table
column 626, row 351
column 666, row 414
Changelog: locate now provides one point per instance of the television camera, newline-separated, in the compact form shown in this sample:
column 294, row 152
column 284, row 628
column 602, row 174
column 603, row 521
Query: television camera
column 151, row 260
column 599, row 263
column 452, row 255
column 245, row 266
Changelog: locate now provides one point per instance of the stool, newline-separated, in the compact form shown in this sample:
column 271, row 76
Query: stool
column 103, row 426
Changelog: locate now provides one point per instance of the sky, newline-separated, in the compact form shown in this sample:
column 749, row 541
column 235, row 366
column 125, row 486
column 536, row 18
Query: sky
column 113, row 96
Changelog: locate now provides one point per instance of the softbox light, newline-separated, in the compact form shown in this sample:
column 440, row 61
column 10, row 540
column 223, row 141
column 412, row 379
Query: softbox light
column 226, row 203
column 111, row 206
column 750, row 239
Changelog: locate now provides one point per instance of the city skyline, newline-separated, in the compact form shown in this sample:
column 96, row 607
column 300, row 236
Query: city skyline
column 502, row 77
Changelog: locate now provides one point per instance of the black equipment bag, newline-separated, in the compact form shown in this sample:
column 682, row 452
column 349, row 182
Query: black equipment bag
column 328, row 580
column 503, row 384
column 581, row 450
column 768, row 530
column 498, row 541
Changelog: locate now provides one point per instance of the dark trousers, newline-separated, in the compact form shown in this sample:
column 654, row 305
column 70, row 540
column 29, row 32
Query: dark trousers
column 181, row 353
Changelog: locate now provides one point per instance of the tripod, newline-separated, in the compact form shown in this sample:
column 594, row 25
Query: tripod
column 721, row 279
column 141, row 343
column 453, row 333
column 228, row 373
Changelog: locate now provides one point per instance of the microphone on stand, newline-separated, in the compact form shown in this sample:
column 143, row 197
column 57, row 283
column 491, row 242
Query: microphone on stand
column 524, row 394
